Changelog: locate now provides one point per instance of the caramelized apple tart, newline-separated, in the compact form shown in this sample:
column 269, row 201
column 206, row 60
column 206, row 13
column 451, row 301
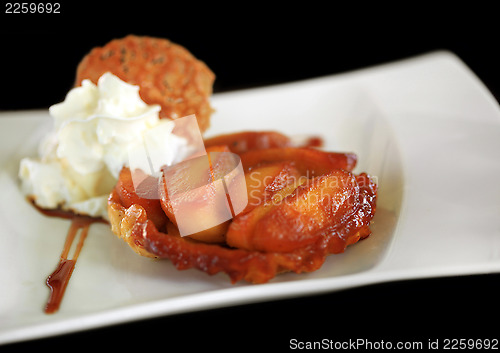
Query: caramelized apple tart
column 303, row 204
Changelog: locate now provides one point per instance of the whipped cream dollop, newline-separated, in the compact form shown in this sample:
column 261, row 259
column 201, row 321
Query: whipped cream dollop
column 96, row 130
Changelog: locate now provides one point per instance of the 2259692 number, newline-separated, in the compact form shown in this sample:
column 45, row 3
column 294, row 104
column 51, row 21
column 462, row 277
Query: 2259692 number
column 32, row 7
column 470, row 343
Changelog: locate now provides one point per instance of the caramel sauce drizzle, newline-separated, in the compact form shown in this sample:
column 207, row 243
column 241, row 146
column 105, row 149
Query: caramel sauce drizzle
column 58, row 280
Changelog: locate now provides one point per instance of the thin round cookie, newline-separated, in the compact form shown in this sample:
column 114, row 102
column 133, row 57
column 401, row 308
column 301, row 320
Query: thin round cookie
column 167, row 73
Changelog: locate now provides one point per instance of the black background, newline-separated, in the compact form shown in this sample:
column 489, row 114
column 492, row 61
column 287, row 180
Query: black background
column 250, row 45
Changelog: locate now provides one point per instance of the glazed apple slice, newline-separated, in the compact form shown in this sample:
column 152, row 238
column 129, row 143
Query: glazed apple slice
column 195, row 194
column 309, row 162
column 244, row 141
column 292, row 221
column 249, row 140
column 264, row 181
column 146, row 194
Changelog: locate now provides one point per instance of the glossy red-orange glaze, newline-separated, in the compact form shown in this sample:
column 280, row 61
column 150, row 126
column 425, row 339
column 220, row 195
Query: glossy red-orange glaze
column 322, row 208
column 313, row 209
column 310, row 162
column 257, row 140
column 128, row 195
column 258, row 266
column 252, row 265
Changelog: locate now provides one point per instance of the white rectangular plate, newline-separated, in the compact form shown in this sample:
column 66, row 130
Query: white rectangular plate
column 425, row 127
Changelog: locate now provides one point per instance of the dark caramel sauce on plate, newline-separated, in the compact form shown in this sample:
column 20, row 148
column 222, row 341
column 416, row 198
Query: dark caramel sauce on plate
column 59, row 279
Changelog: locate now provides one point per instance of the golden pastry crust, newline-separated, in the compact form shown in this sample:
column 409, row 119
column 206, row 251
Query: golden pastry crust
column 167, row 74
column 123, row 220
